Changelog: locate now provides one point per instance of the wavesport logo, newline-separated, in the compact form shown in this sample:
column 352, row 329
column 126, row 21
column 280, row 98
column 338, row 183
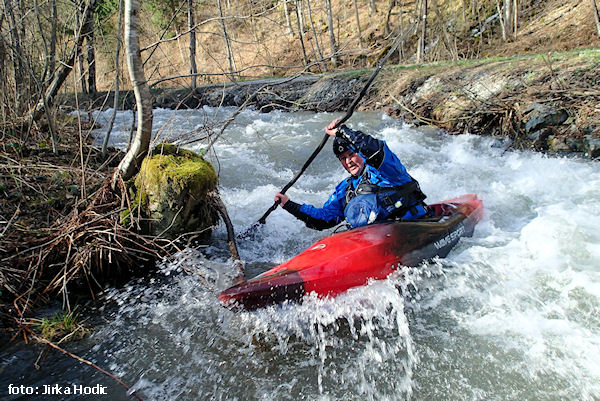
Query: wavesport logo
column 448, row 239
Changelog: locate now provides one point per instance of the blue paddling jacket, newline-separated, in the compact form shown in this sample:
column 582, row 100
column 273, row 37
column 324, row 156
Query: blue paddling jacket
column 384, row 190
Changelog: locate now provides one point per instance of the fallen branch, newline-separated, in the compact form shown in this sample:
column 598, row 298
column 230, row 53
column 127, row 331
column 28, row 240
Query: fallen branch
column 39, row 339
column 9, row 223
column 238, row 263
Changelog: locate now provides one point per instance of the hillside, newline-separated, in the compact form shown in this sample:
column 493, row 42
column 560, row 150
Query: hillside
column 264, row 43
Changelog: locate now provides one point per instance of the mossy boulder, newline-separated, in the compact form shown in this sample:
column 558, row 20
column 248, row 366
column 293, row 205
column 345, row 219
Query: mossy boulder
column 173, row 191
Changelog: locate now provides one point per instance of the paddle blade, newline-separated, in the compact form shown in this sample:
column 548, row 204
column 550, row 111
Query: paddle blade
column 250, row 232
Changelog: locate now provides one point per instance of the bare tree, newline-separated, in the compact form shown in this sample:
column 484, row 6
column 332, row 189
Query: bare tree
column 63, row 71
column 288, row 21
column 91, row 53
column 388, row 16
column 52, row 44
column 401, row 48
column 16, row 45
column 130, row 164
column 421, row 44
column 441, row 28
column 372, row 7
column 192, row 28
column 358, row 24
column 596, row 16
column 331, row 33
column 300, row 33
column 508, row 16
column 111, row 122
column 502, row 22
column 227, row 43
column 516, row 18
column 315, row 37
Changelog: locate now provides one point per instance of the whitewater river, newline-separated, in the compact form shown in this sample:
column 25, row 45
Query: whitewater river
column 513, row 313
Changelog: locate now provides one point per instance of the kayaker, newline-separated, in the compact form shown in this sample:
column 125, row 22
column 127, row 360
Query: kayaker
column 379, row 187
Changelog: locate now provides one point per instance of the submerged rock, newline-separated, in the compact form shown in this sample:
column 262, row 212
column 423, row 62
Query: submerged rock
column 173, row 188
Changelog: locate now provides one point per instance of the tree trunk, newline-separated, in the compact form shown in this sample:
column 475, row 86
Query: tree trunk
column 516, row 18
column 421, row 45
column 372, row 7
column 63, row 71
column 227, row 44
column 91, row 56
column 388, row 16
column 508, row 17
column 111, row 122
column 501, row 17
column 52, row 47
column 300, row 13
column 191, row 24
column 300, row 33
column 331, row 33
column 596, row 16
column 358, row 24
column 315, row 37
column 130, row 164
column 287, row 17
column 401, row 48
column 16, row 53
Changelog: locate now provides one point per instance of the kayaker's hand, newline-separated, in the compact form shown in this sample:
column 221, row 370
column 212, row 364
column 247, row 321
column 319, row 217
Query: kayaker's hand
column 282, row 197
column 331, row 130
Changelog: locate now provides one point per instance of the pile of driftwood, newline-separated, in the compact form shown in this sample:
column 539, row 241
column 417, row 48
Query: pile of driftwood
column 84, row 250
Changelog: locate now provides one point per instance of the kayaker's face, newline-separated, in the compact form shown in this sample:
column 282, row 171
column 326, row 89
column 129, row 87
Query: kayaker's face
column 352, row 162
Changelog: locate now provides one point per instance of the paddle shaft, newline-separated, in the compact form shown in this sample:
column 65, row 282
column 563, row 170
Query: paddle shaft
column 341, row 121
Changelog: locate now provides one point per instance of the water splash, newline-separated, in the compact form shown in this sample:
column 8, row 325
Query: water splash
column 358, row 344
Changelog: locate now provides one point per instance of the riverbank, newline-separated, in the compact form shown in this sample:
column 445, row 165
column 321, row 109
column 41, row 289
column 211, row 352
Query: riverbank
column 547, row 102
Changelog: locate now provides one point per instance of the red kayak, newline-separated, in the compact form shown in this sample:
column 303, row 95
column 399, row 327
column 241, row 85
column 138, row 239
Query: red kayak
column 351, row 258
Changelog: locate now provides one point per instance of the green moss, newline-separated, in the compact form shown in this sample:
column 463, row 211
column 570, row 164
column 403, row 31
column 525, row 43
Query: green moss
column 178, row 168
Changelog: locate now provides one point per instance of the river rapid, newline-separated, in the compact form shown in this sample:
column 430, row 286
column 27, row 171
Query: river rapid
column 512, row 313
